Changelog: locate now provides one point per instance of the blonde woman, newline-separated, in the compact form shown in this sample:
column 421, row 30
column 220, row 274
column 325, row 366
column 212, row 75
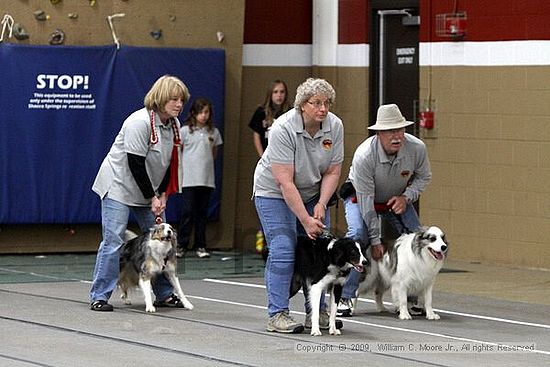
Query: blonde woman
column 134, row 177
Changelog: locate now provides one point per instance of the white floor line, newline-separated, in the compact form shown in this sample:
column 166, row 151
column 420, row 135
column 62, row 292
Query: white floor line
column 482, row 317
column 451, row 337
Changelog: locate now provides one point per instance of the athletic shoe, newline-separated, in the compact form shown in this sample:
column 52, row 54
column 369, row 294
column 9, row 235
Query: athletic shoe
column 101, row 305
column 172, row 301
column 202, row 253
column 282, row 322
column 345, row 307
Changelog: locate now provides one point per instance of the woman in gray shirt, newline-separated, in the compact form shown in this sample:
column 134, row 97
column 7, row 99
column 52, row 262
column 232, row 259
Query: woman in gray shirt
column 293, row 182
column 134, row 177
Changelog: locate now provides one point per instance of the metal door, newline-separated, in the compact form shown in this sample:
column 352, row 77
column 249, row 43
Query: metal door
column 394, row 72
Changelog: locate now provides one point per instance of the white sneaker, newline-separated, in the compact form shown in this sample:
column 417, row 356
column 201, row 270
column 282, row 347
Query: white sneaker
column 345, row 308
column 202, row 253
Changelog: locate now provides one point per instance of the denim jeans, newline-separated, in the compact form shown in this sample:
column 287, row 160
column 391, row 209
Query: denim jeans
column 114, row 220
column 358, row 230
column 281, row 228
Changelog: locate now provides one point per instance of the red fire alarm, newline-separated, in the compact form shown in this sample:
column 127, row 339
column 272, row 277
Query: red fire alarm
column 451, row 25
column 426, row 119
column 425, row 113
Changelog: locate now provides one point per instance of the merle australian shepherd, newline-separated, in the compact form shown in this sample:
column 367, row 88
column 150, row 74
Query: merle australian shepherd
column 409, row 268
column 324, row 264
column 146, row 256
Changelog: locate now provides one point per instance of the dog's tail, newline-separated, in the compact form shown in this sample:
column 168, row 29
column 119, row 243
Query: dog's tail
column 129, row 235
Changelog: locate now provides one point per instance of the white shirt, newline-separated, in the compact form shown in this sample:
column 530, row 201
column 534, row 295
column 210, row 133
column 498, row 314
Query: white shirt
column 197, row 159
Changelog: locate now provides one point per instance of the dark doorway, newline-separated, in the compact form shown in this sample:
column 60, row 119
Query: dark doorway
column 394, row 59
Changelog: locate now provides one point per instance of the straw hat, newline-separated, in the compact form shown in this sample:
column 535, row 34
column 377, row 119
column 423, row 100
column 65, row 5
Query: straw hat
column 389, row 117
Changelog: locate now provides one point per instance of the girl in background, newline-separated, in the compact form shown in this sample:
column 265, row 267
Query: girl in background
column 274, row 105
column 200, row 140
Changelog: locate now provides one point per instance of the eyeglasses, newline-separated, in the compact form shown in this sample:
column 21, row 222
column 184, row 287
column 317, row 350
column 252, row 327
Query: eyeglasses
column 393, row 131
column 318, row 104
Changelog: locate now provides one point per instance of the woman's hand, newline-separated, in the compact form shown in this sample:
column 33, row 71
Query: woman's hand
column 158, row 204
column 313, row 227
column 319, row 212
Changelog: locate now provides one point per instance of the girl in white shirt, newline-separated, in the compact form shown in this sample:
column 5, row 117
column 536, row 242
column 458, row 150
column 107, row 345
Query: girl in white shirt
column 200, row 139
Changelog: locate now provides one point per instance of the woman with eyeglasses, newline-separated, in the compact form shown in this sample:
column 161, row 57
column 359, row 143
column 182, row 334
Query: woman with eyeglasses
column 293, row 182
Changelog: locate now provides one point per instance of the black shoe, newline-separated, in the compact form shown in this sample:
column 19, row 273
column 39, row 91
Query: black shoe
column 417, row 311
column 101, row 305
column 172, row 301
column 414, row 311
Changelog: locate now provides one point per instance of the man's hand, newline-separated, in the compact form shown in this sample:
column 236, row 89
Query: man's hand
column 377, row 251
column 398, row 204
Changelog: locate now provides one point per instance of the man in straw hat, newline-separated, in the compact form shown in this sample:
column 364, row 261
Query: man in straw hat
column 388, row 173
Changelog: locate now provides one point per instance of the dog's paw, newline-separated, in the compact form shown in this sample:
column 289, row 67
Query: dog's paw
column 405, row 315
column 334, row 331
column 316, row 332
column 125, row 299
column 150, row 309
column 432, row 316
column 188, row 305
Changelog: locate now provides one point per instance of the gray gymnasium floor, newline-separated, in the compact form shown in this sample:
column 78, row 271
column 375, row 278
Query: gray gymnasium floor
column 486, row 312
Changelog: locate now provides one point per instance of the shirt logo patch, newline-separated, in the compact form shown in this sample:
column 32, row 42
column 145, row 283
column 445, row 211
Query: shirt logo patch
column 327, row 144
column 405, row 173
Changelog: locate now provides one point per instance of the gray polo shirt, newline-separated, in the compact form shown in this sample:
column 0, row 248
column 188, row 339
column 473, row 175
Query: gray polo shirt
column 114, row 178
column 376, row 177
column 289, row 143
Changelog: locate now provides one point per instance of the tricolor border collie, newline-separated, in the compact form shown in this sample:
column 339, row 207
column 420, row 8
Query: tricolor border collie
column 324, row 264
column 408, row 267
column 146, row 256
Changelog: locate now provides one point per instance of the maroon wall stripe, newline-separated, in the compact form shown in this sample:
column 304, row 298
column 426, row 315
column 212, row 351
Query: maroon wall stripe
column 353, row 21
column 278, row 21
column 289, row 21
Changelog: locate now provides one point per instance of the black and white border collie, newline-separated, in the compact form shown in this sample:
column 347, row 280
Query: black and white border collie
column 324, row 264
column 145, row 256
column 408, row 267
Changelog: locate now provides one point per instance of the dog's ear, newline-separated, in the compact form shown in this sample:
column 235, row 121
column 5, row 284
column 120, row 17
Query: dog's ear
column 337, row 256
column 423, row 233
column 174, row 239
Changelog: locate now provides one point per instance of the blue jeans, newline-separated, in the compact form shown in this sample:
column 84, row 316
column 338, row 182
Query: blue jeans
column 281, row 228
column 114, row 220
column 358, row 230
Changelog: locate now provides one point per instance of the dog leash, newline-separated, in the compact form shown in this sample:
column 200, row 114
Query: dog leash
column 158, row 219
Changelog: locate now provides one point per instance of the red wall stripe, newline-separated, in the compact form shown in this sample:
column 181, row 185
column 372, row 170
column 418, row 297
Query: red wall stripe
column 278, row 21
column 289, row 21
column 491, row 20
column 353, row 21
